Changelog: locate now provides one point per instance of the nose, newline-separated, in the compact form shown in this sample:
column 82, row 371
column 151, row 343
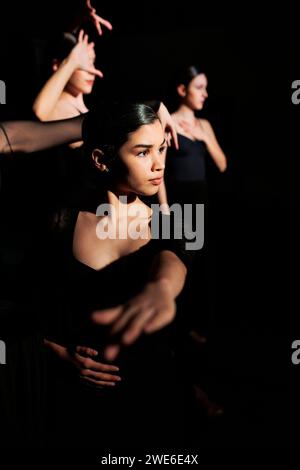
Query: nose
column 158, row 162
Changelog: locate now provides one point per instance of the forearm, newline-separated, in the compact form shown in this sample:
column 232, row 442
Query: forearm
column 49, row 95
column 216, row 153
column 31, row 136
column 169, row 270
column 163, row 198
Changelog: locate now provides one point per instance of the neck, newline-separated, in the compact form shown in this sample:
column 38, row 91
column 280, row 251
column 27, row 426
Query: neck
column 120, row 200
column 186, row 112
column 126, row 206
column 74, row 98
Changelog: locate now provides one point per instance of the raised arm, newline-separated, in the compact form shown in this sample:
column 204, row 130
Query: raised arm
column 81, row 57
column 31, row 136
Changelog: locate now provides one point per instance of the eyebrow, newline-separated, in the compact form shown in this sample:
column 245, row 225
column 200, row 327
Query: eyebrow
column 147, row 146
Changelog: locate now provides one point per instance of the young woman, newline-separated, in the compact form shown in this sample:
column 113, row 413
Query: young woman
column 73, row 77
column 114, row 291
column 153, row 306
column 186, row 168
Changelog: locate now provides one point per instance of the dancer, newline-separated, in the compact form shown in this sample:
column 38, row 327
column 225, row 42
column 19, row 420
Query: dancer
column 134, row 279
column 186, row 180
column 16, row 137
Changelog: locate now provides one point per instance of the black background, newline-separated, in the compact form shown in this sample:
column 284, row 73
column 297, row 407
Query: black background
column 251, row 60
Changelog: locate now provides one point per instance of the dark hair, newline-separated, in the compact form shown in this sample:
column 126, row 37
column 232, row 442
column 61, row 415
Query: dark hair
column 107, row 129
column 61, row 47
column 186, row 74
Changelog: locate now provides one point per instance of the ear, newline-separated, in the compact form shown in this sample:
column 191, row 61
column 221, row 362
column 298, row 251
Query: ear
column 97, row 156
column 181, row 90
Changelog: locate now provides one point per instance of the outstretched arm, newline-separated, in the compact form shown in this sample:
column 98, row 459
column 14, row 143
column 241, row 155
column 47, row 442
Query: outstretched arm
column 149, row 311
column 31, row 136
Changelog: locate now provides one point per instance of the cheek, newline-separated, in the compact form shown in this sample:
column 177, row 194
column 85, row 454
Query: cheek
column 193, row 94
column 77, row 79
column 139, row 170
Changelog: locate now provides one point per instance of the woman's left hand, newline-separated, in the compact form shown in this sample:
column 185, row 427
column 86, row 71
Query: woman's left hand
column 147, row 312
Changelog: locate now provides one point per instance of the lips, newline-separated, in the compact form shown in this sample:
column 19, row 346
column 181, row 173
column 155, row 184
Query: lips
column 156, row 181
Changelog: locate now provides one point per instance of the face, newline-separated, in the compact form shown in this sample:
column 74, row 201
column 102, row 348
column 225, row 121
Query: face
column 143, row 160
column 196, row 92
column 82, row 81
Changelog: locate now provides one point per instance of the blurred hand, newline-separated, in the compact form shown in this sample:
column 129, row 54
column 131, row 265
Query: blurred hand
column 96, row 19
column 83, row 55
column 147, row 312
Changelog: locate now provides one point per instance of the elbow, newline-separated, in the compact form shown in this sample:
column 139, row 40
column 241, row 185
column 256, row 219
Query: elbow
column 38, row 112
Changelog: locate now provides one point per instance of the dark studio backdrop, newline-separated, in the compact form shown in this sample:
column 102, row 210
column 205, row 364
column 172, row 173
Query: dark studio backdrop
column 250, row 64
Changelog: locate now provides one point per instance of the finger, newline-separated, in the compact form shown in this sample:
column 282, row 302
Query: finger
column 101, row 383
column 100, row 375
column 107, row 367
column 88, row 363
column 87, row 351
column 136, row 327
column 86, row 39
column 105, row 23
column 93, row 71
column 174, row 137
column 124, row 319
column 107, row 316
column 80, row 36
column 97, row 72
column 97, row 24
column 160, row 320
column 111, row 352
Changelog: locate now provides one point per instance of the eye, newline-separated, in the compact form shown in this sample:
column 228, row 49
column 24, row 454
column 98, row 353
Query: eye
column 163, row 149
column 144, row 153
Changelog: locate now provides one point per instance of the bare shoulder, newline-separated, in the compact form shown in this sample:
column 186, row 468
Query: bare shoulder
column 62, row 110
column 87, row 219
column 176, row 119
column 205, row 123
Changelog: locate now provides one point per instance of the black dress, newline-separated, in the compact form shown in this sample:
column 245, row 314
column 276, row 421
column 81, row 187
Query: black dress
column 185, row 173
column 149, row 399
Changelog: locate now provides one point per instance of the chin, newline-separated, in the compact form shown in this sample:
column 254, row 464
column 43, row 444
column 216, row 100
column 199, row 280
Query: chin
column 87, row 90
column 150, row 191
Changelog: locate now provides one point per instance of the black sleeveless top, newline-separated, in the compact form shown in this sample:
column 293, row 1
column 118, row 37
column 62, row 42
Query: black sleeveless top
column 80, row 289
column 187, row 163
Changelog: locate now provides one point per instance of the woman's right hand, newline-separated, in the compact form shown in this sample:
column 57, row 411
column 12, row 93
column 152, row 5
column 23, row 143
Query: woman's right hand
column 83, row 55
column 93, row 372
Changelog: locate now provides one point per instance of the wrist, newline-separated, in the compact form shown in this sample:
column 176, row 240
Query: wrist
column 161, row 283
column 72, row 62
